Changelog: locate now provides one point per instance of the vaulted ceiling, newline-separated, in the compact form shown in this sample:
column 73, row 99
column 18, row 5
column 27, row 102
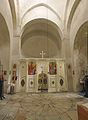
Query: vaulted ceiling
column 63, row 10
column 43, row 20
column 41, row 35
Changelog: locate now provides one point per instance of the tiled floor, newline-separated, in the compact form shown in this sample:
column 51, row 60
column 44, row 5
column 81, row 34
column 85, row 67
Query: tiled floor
column 42, row 106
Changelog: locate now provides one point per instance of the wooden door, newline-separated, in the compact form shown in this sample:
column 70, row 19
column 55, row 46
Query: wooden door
column 43, row 82
column 23, row 76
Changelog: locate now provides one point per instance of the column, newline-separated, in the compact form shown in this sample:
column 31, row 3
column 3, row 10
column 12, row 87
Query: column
column 66, row 54
column 16, row 54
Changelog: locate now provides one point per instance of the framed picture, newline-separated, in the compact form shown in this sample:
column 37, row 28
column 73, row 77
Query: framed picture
column 52, row 68
column 14, row 66
column 31, row 68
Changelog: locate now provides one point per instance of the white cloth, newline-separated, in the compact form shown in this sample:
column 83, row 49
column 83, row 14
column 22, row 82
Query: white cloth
column 11, row 84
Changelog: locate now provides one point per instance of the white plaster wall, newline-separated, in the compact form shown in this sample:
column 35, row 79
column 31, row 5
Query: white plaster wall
column 41, row 12
column 79, row 65
column 53, row 10
column 79, row 18
column 4, row 56
column 5, row 51
column 29, row 48
column 69, row 7
column 80, row 62
column 6, row 13
column 16, row 46
column 16, row 5
column 57, row 5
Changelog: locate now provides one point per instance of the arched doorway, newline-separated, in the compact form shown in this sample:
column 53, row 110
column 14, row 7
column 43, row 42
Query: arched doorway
column 43, row 82
column 4, row 49
column 80, row 55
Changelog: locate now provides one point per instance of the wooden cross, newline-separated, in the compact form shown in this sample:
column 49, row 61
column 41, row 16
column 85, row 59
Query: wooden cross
column 42, row 54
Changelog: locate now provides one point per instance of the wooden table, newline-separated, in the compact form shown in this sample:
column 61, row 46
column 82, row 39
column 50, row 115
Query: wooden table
column 82, row 112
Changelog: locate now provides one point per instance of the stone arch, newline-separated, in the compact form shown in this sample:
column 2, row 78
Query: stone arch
column 78, row 29
column 4, row 47
column 42, row 4
column 74, row 7
column 65, row 15
column 79, row 20
column 13, row 11
column 36, row 30
column 52, row 23
column 80, row 54
column 53, row 16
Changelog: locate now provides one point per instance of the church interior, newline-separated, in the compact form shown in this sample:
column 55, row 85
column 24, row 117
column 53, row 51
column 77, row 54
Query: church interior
column 43, row 60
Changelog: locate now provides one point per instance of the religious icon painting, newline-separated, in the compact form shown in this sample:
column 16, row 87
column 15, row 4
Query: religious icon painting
column 31, row 68
column 14, row 77
column 14, row 66
column 52, row 68
column 5, row 72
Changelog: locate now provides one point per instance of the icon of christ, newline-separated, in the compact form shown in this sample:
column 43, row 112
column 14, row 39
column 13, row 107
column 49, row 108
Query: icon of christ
column 31, row 68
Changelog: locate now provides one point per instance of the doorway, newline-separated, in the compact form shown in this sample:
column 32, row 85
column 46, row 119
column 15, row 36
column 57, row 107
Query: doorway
column 22, row 74
column 43, row 82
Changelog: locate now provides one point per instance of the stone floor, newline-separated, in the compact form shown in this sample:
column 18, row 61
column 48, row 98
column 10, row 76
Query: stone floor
column 42, row 106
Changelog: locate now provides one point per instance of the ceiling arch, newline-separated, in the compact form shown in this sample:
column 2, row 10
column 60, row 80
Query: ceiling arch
column 74, row 7
column 42, row 20
column 13, row 11
column 47, row 13
column 4, row 32
column 42, row 4
column 42, row 32
column 65, row 13
column 83, row 23
column 4, row 43
column 81, row 35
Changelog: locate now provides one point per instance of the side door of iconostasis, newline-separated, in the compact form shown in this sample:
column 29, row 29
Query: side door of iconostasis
column 52, row 76
column 31, row 76
column 22, row 76
column 62, row 81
